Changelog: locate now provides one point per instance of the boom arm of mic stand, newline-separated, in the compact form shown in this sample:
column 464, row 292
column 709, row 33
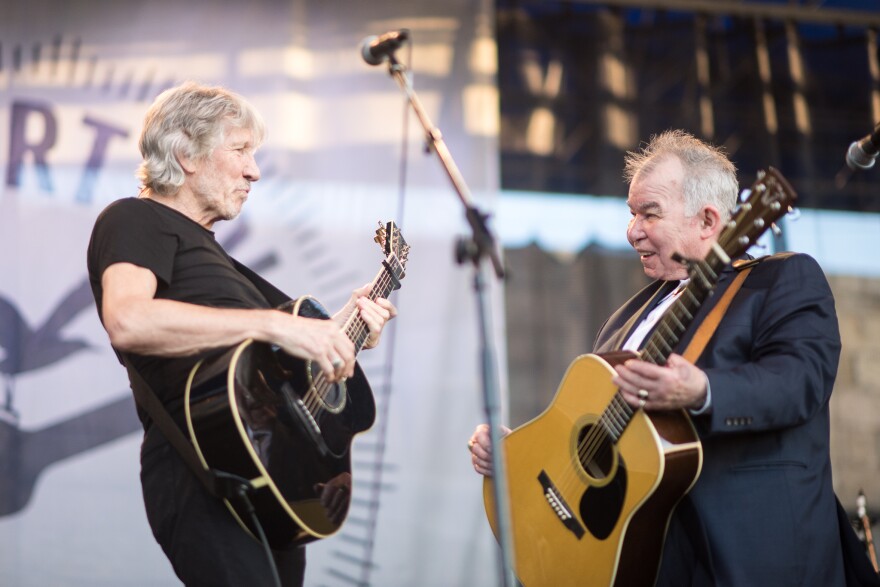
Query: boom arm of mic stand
column 483, row 245
column 483, row 238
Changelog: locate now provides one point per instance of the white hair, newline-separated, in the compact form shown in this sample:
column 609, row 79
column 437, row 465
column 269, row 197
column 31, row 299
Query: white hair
column 709, row 176
column 189, row 120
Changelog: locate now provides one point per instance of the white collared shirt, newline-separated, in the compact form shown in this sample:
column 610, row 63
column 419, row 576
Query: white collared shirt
column 638, row 335
column 647, row 324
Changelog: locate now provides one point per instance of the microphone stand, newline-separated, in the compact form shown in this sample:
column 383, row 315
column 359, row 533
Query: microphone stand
column 474, row 250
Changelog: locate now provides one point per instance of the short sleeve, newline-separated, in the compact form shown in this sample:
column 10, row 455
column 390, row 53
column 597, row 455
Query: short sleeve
column 130, row 231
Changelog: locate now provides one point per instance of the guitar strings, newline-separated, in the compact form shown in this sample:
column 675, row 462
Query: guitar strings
column 597, row 441
column 614, row 420
column 358, row 332
column 314, row 398
column 609, row 427
column 618, row 414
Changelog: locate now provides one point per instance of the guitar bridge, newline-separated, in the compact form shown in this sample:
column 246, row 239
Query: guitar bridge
column 559, row 506
column 309, row 424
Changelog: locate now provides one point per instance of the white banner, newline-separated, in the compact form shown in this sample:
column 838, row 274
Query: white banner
column 76, row 80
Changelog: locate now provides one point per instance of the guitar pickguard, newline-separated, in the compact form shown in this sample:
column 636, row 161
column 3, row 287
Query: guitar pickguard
column 601, row 504
column 289, row 385
column 600, row 507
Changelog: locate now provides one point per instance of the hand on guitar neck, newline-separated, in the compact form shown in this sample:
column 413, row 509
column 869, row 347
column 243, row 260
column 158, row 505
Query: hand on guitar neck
column 480, row 445
column 677, row 385
column 375, row 313
column 327, row 342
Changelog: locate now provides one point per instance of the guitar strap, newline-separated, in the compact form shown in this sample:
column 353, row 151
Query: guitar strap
column 273, row 295
column 219, row 483
column 708, row 326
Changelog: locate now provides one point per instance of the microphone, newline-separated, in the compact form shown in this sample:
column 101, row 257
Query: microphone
column 375, row 49
column 862, row 154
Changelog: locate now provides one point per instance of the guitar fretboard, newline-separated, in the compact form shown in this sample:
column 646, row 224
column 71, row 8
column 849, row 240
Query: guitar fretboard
column 386, row 281
column 666, row 335
column 680, row 315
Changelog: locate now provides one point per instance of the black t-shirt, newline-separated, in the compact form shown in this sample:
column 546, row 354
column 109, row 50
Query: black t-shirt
column 189, row 265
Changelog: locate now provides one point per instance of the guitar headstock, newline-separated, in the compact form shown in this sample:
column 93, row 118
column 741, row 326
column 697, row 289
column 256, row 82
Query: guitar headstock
column 391, row 240
column 769, row 198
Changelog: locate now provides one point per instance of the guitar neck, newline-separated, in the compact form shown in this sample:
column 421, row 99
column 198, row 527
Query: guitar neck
column 667, row 334
column 676, row 320
column 386, row 281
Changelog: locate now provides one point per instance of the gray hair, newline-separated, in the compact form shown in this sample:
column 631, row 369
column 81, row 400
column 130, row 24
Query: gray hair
column 709, row 176
column 189, row 120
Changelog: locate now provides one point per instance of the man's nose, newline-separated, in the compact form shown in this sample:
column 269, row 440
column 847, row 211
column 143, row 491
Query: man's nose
column 252, row 170
column 634, row 231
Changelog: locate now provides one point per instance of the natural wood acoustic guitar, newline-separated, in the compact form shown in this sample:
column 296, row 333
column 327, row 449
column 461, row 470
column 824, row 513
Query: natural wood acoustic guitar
column 593, row 481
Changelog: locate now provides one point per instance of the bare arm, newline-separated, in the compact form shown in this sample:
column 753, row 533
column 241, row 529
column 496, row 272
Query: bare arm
column 139, row 323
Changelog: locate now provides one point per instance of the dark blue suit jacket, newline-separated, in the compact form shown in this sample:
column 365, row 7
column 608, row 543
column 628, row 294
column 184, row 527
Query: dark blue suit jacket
column 763, row 511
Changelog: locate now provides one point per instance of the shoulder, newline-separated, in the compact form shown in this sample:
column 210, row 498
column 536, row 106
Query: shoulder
column 789, row 260
column 125, row 208
column 786, row 266
column 122, row 205
column 788, row 283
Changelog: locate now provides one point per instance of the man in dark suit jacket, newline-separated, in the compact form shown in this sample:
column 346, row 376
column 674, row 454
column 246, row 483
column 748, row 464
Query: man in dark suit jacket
column 763, row 511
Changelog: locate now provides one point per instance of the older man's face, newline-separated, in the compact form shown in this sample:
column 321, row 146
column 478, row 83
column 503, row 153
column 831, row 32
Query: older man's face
column 659, row 227
column 223, row 180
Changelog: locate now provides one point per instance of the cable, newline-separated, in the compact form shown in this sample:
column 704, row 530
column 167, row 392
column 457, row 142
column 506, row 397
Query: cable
column 261, row 535
column 229, row 486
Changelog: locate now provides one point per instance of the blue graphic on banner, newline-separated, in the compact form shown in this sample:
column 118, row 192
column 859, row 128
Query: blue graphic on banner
column 75, row 85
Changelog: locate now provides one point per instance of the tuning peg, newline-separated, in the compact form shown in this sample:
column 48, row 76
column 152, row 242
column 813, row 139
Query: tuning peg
column 380, row 234
column 776, row 230
column 794, row 213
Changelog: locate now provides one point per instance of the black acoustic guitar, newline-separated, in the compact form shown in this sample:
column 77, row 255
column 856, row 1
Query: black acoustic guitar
column 592, row 481
column 259, row 413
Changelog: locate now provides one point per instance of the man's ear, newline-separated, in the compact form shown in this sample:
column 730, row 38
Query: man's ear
column 187, row 163
column 710, row 221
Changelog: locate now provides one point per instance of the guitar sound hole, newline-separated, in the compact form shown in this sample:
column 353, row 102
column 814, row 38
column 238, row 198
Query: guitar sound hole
column 596, row 452
column 332, row 396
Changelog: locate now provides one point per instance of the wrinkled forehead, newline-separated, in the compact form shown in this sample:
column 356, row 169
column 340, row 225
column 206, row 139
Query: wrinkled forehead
column 659, row 186
column 664, row 167
column 236, row 133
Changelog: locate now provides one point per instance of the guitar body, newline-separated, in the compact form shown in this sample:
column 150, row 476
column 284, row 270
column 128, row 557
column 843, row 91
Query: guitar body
column 619, row 498
column 253, row 412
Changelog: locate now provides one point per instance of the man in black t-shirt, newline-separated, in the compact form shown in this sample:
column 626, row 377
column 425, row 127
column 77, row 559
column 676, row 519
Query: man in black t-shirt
column 168, row 294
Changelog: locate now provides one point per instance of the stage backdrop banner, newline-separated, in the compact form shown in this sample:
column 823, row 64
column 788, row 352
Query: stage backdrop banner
column 76, row 79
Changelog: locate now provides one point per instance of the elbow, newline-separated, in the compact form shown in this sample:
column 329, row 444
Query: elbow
column 122, row 328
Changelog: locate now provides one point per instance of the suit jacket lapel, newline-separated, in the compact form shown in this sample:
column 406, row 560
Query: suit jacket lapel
column 618, row 337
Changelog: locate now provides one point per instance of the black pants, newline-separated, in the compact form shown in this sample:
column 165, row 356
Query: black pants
column 197, row 532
